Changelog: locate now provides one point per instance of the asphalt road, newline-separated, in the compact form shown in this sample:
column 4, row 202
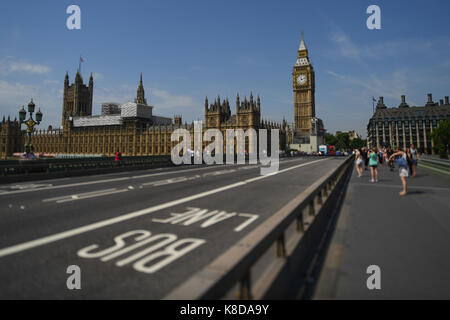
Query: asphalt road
column 135, row 235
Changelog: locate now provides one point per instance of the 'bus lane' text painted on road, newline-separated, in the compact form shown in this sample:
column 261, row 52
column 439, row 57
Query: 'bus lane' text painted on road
column 155, row 251
column 207, row 217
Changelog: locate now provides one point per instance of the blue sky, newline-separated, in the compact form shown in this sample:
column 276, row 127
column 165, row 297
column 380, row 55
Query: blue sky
column 191, row 49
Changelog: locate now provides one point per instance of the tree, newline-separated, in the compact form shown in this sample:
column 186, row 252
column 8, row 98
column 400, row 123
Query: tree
column 441, row 139
column 343, row 141
column 357, row 143
column 330, row 139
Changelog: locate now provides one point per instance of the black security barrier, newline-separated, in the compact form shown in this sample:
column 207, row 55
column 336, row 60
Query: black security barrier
column 21, row 170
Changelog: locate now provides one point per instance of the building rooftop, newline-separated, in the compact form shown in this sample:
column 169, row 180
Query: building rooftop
column 431, row 109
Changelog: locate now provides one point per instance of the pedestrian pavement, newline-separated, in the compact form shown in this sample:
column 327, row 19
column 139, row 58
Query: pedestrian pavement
column 407, row 237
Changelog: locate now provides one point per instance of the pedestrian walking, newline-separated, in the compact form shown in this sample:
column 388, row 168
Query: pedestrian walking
column 365, row 157
column 402, row 163
column 390, row 160
column 380, row 156
column 409, row 161
column 118, row 158
column 386, row 156
column 359, row 162
column 373, row 164
column 415, row 159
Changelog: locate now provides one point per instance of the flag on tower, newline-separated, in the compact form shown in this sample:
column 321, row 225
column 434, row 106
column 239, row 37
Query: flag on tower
column 79, row 64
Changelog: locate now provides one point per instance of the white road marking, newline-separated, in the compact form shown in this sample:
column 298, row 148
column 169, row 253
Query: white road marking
column 218, row 173
column 167, row 181
column 97, row 225
column 247, row 167
column 76, row 195
column 86, row 195
column 81, row 197
column 251, row 218
column 166, row 247
column 30, row 186
column 206, row 218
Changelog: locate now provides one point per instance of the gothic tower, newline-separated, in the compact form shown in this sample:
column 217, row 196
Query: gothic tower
column 11, row 138
column 248, row 113
column 77, row 100
column 140, row 96
column 304, row 90
column 217, row 113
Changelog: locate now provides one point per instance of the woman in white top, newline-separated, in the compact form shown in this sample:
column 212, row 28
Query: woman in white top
column 359, row 162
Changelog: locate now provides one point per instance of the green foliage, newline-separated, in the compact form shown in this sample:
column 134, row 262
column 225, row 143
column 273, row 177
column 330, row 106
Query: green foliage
column 441, row 139
column 357, row 143
column 330, row 139
column 343, row 141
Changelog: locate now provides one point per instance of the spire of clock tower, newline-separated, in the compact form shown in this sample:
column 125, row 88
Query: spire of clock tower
column 302, row 46
column 302, row 54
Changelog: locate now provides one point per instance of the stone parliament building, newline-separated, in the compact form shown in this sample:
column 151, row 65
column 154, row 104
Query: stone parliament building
column 405, row 125
column 130, row 128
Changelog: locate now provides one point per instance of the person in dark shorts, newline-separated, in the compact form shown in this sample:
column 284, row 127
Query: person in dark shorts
column 415, row 159
column 365, row 158
column 390, row 161
column 373, row 164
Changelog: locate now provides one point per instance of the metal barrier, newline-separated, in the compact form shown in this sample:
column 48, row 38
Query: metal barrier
column 49, row 166
column 436, row 161
column 310, row 213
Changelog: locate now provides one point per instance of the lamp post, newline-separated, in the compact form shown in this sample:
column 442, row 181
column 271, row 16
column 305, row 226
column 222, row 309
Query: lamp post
column 30, row 123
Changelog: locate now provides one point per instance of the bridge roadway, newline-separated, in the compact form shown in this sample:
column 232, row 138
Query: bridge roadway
column 135, row 235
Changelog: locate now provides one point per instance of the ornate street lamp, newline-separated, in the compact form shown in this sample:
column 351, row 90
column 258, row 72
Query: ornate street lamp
column 30, row 123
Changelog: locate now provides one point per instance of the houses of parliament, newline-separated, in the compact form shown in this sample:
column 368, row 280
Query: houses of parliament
column 130, row 128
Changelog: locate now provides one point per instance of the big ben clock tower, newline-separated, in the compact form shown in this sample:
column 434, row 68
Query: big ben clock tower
column 304, row 89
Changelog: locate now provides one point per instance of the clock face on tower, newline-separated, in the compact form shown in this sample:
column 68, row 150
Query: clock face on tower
column 301, row 79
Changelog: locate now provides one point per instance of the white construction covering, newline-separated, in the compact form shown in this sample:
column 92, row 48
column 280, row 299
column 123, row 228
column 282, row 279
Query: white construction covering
column 93, row 121
column 135, row 110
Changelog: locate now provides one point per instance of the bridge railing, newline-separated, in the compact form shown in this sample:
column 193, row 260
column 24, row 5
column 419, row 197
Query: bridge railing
column 235, row 271
column 435, row 160
column 25, row 167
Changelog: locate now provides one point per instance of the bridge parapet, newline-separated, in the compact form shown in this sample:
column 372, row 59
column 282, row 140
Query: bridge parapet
column 310, row 213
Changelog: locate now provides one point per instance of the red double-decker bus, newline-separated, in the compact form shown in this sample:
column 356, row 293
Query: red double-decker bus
column 332, row 151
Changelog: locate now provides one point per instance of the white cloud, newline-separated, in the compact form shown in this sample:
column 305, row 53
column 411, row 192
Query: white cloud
column 164, row 99
column 8, row 66
column 47, row 97
column 160, row 99
column 28, row 67
column 347, row 48
column 97, row 76
column 392, row 85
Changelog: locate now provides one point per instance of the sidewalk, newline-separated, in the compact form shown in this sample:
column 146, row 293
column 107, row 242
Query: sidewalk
column 407, row 237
